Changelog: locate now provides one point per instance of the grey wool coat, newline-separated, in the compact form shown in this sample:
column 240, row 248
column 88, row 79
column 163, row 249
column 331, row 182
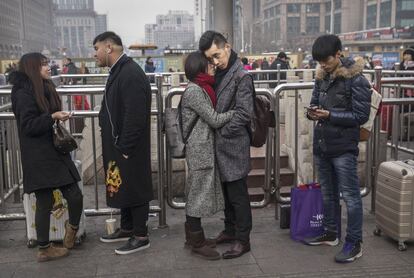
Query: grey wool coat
column 233, row 140
column 203, row 185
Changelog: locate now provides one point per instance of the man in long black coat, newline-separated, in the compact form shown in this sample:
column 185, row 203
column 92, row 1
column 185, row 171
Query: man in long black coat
column 124, row 119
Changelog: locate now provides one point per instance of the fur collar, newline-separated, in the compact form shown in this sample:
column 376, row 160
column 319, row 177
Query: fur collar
column 20, row 80
column 348, row 69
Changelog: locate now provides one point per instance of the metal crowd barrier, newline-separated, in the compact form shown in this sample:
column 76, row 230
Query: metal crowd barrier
column 268, row 158
column 295, row 87
column 11, row 175
column 13, row 184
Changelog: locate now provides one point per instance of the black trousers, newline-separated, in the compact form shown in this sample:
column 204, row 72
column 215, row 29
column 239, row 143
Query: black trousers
column 237, row 211
column 135, row 219
column 44, row 205
column 194, row 223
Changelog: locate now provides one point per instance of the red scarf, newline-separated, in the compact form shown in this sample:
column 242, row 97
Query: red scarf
column 206, row 82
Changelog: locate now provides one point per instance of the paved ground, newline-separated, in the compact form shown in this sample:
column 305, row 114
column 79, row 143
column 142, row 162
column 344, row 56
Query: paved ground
column 273, row 253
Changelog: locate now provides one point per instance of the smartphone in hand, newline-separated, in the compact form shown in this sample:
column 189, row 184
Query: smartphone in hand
column 310, row 108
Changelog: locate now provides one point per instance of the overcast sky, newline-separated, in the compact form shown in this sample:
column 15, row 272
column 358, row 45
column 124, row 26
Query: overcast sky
column 128, row 17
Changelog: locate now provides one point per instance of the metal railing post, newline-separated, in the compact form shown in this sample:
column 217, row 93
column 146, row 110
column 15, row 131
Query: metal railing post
column 95, row 164
column 278, row 74
column 375, row 143
column 160, row 143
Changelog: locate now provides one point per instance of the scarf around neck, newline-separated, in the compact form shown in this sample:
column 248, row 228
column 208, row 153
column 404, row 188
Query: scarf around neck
column 206, row 82
column 220, row 73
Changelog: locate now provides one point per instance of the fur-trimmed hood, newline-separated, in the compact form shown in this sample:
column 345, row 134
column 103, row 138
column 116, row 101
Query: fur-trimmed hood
column 20, row 80
column 348, row 69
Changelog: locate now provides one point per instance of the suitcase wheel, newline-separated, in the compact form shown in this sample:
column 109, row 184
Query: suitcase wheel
column 377, row 232
column 402, row 246
column 31, row 243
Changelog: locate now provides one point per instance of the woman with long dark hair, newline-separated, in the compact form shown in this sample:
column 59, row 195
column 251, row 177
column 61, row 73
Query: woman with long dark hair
column 199, row 119
column 37, row 106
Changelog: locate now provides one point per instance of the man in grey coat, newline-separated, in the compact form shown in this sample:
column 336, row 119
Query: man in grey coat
column 234, row 90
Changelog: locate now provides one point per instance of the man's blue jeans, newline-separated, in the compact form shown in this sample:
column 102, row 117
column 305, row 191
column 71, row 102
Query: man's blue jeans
column 339, row 174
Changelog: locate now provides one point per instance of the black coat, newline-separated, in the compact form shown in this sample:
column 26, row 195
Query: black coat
column 128, row 100
column 283, row 66
column 43, row 166
column 348, row 109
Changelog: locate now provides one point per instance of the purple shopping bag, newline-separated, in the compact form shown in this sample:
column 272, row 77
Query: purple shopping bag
column 306, row 212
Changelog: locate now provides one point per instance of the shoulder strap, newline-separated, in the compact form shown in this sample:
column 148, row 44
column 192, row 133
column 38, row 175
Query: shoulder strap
column 180, row 122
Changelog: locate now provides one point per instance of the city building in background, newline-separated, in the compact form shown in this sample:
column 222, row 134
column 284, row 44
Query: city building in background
column 76, row 26
column 274, row 25
column 199, row 18
column 387, row 26
column 173, row 30
column 26, row 26
column 100, row 24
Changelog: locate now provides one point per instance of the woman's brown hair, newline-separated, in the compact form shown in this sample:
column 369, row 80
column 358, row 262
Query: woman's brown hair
column 31, row 64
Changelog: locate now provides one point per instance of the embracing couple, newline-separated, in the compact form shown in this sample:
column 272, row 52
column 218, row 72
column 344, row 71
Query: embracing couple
column 216, row 110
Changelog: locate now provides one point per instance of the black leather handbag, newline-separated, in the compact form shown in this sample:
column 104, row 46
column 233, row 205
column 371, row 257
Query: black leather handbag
column 62, row 139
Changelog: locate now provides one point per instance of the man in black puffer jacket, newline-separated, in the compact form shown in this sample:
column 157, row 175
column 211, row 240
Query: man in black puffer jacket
column 340, row 104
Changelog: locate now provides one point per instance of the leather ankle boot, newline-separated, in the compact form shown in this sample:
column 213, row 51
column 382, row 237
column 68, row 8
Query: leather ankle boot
column 70, row 235
column 200, row 247
column 51, row 253
column 209, row 242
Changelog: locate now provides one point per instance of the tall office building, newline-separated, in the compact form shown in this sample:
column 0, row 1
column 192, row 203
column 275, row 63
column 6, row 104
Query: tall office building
column 76, row 27
column 100, row 24
column 26, row 26
column 149, row 33
column 174, row 30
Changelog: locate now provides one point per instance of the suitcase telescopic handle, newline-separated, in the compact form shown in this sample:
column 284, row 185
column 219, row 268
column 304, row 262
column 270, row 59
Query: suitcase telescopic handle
column 410, row 162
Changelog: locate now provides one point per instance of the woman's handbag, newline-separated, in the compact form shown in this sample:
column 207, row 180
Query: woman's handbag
column 62, row 139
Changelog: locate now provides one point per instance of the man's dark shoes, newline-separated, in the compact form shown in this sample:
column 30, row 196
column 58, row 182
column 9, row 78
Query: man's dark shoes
column 327, row 238
column 118, row 235
column 133, row 245
column 237, row 250
column 223, row 238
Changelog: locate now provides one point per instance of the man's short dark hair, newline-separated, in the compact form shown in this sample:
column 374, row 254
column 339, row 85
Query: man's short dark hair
column 195, row 63
column 282, row 55
column 210, row 37
column 108, row 36
column 325, row 46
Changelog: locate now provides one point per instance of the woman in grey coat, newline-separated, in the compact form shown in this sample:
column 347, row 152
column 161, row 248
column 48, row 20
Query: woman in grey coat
column 199, row 119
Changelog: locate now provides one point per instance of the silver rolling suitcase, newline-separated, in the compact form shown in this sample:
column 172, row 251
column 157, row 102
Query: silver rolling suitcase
column 394, row 204
column 57, row 218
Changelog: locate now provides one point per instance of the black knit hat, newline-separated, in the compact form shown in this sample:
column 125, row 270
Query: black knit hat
column 409, row 51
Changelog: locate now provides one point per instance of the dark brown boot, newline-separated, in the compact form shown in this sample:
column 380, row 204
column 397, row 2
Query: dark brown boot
column 200, row 248
column 70, row 235
column 209, row 242
column 51, row 253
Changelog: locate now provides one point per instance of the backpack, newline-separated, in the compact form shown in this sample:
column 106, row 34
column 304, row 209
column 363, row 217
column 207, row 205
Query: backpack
column 366, row 128
column 262, row 118
column 174, row 131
